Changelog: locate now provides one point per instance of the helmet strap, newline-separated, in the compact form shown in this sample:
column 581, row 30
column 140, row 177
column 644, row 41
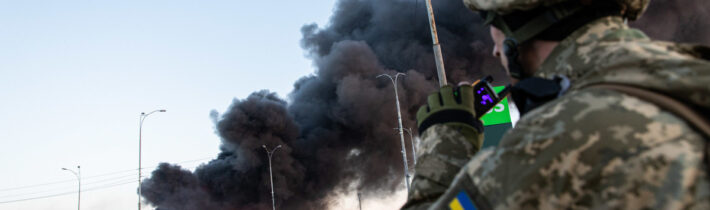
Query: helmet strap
column 529, row 30
column 510, row 48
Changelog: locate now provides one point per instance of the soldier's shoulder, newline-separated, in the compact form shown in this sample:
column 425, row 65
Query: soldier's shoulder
column 585, row 111
column 614, row 116
column 592, row 136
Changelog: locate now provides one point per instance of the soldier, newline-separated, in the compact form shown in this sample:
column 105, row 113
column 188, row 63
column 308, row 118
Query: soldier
column 604, row 117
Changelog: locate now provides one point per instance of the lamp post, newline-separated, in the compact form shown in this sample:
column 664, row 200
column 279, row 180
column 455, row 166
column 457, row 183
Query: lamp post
column 399, row 119
column 359, row 202
column 140, row 134
column 78, row 177
column 271, row 175
column 414, row 151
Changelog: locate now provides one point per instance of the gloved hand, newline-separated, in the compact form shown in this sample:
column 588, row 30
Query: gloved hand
column 453, row 107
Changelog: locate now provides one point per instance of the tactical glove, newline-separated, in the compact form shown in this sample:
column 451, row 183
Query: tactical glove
column 453, row 107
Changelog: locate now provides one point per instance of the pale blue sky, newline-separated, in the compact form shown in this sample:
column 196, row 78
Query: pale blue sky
column 75, row 76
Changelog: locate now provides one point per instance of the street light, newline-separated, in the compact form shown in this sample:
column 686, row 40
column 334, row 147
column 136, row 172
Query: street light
column 359, row 202
column 140, row 132
column 399, row 118
column 414, row 151
column 78, row 177
column 269, row 153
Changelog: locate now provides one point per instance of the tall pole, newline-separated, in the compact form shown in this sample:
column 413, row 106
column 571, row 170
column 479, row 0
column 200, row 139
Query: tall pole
column 437, row 48
column 414, row 151
column 399, row 119
column 140, row 142
column 78, row 177
column 359, row 202
column 271, row 175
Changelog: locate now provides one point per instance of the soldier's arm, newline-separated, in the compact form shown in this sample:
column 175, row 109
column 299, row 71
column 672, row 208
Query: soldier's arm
column 445, row 149
column 451, row 134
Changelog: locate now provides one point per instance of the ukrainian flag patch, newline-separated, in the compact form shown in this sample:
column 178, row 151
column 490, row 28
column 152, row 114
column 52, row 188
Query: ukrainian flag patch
column 462, row 202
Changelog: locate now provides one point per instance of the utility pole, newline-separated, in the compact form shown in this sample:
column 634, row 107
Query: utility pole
column 271, row 175
column 437, row 48
column 399, row 119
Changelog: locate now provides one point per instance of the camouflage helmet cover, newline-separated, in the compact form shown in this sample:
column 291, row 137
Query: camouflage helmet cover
column 632, row 9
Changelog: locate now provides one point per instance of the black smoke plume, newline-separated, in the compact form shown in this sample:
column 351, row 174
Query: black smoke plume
column 677, row 20
column 336, row 131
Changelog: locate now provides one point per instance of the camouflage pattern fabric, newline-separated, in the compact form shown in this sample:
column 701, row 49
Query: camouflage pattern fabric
column 440, row 161
column 591, row 148
column 633, row 8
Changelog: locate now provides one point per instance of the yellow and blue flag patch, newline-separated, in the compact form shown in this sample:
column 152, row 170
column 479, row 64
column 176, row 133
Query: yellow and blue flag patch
column 462, row 202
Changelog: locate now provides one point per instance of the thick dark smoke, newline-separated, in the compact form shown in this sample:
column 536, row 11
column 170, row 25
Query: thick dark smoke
column 336, row 131
column 677, row 20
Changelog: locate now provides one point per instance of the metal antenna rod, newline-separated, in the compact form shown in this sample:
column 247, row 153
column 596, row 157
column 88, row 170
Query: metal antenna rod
column 399, row 119
column 437, row 48
column 271, row 175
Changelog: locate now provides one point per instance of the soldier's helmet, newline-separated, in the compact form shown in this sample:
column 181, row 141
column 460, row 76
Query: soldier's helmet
column 631, row 9
column 524, row 20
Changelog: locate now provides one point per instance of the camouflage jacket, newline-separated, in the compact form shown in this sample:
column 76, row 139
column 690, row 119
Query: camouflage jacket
column 590, row 148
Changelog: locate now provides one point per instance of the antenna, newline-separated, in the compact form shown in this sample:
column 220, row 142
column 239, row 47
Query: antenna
column 437, row 48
